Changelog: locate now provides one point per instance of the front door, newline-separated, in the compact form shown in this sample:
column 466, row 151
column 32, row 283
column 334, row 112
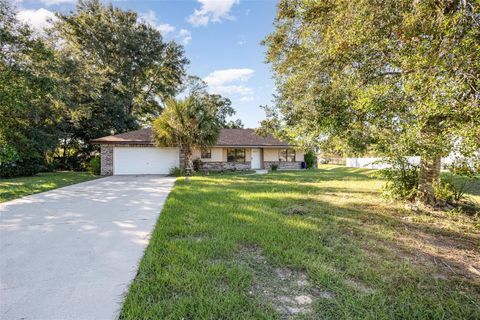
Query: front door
column 256, row 159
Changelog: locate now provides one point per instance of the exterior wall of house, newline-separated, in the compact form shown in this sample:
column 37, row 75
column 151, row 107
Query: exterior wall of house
column 283, row 164
column 300, row 155
column 271, row 156
column 224, row 154
column 106, row 160
column 248, row 153
column 223, row 165
column 217, row 155
column 106, row 156
column 217, row 162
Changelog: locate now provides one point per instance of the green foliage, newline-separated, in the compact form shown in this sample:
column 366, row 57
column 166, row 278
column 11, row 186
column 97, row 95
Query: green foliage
column 274, row 167
column 451, row 188
column 115, row 71
column 197, row 164
column 13, row 165
column 402, row 179
column 310, row 158
column 8, row 156
column 446, row 191
column 29, row 114
column 175, row 172
column 467, row 167
column 234, row 124
column 110, row 74
column 193, row 122
column 9, row 159
column 94, row 165
column 400, row 78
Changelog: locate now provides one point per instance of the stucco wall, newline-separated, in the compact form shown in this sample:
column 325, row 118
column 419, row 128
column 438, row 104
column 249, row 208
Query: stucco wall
column 220, row 154
column 271, row 154
column 248, row 153
column 299, row 155
column 217, row 155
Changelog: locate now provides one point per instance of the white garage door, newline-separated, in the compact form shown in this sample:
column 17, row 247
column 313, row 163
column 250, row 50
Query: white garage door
column 144, row 160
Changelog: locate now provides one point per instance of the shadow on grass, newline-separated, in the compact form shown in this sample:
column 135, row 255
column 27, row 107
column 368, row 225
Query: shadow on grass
column 346, row 232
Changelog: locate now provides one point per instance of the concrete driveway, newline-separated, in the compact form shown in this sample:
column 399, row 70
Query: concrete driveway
column 71, row 253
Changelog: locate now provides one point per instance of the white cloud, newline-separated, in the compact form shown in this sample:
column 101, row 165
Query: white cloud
column 230, row 81
column 232, row 89
column 219, row 77
column 212, row 11
column 247, row 99
column 165, row 28
column 184, row 36
column 54, row 2
column 37, row 19
column 151, row 18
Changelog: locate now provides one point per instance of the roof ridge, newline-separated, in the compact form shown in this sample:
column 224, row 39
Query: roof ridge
column 228, row 137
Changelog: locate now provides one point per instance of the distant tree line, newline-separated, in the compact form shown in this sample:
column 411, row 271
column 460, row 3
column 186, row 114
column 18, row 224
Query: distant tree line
column 98, row 70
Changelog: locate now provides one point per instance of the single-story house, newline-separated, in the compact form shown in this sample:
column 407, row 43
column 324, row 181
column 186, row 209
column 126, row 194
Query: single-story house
column 135, row 152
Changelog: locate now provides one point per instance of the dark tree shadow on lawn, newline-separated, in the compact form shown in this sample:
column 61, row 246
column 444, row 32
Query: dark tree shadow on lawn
column 348, row 241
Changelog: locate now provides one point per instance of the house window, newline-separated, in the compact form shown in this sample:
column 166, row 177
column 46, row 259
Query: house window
column 287, row 155
column 235, row 155
column 206, row 153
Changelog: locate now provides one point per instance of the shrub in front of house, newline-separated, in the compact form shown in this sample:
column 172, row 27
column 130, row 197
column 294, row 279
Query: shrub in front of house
column 402, row 179
column 94, row 165
column 13, row 164
column 309, row 159
column 197, row 164
column 175, row 172
column 464, row 174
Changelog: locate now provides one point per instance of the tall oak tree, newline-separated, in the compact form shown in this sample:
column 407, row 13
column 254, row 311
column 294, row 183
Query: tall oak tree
column 396, row 77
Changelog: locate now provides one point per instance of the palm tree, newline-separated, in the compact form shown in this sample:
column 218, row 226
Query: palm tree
column 187, row 123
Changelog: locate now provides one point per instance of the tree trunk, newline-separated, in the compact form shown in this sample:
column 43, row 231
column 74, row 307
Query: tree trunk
column 429, row 174
column 188, row 162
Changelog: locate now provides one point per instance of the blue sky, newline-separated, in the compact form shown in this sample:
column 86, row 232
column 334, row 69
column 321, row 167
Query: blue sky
column 221, row 38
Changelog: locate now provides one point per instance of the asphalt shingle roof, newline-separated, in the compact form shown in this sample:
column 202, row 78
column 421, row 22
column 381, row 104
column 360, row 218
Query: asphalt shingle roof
column 226, row 138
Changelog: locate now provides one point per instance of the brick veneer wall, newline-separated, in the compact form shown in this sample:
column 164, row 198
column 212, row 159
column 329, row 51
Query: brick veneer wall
column 106, row 160
column 283, row 164
column 218, row 166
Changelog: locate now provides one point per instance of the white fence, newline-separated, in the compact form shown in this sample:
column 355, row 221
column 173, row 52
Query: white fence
column 375, row 163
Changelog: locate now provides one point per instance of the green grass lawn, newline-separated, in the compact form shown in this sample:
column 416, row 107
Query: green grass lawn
column 319, row 244
column 19, row 187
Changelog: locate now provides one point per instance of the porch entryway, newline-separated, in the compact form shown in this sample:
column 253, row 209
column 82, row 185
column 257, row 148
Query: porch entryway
column 256, row 158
